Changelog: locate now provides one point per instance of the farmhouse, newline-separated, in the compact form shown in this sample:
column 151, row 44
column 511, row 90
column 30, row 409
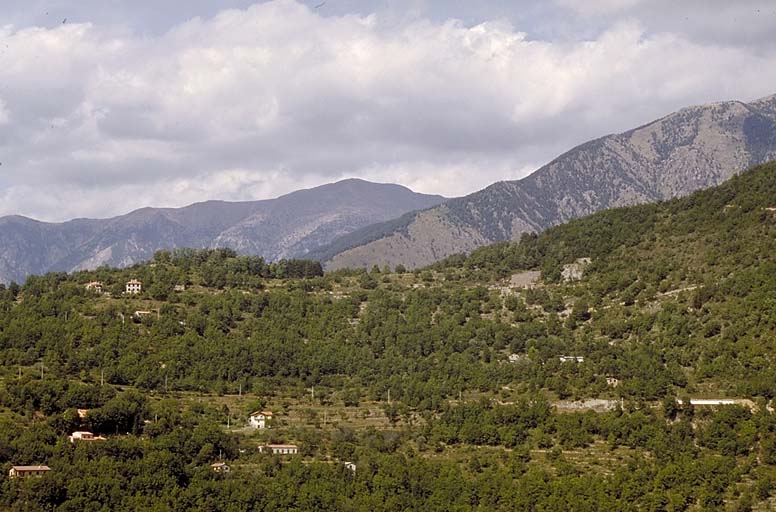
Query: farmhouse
column 279, row 449
column 134, row 287
column 27, row 471
column 260, row 419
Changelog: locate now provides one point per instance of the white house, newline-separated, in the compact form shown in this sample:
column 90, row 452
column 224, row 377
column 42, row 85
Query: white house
column 350, row 466
column 84, row 436
column 279, row 449
column 220, row 467
column 134, row 287
column 571, row 359
column 94, row 286
column 26, row 471
column 514, row 358
column 179, row 288
column 260, row 419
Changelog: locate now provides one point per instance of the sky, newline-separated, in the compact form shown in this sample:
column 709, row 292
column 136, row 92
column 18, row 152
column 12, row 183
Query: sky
column 111, row 105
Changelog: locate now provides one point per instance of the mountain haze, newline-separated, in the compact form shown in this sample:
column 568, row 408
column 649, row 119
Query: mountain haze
column 691, row 149
column 286, row 227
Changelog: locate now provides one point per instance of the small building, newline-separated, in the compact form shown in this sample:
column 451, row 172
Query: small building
column 179, row 288
column 612, row 382
column 139, row 315
column 82, row 413
column 27, row 471
column 351, row 466
column 260, row 419
column 571, row 359
column 84, row 436
column 220, row 467
column 279, row 449
column 134, row 287
column 94, row 286
column 514, row 358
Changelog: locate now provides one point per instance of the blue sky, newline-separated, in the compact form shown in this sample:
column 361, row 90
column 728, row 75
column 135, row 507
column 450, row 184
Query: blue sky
column 164, row 103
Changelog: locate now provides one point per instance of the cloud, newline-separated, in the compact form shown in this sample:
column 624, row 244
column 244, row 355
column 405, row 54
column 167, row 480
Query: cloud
column 254, row 103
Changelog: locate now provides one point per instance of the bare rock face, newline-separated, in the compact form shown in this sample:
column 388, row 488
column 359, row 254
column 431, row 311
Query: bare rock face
column 286, row 227
column 695, row 148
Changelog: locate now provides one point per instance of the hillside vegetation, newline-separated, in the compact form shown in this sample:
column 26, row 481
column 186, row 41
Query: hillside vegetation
column 468, row 385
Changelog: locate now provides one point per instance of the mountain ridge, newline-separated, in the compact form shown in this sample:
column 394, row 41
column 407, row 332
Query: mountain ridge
column 691, row 149
column 283, row 227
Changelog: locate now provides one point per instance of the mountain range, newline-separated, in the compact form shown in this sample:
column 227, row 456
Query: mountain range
column 286, row 227
column 688, row 150
column 354, row 223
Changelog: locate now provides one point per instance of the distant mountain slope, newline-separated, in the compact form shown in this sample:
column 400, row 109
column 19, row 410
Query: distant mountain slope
column 288, row 226
column 694, row 148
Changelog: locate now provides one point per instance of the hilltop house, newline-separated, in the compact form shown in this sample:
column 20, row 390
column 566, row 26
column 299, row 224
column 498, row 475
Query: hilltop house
column 260, row 419
column 134, row 287
column 27, row 471
column 279, row 449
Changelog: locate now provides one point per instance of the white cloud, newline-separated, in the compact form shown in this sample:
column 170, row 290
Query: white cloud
column 258, row 102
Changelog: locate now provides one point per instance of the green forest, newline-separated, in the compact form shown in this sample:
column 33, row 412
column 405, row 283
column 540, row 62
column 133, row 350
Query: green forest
column 551, row 374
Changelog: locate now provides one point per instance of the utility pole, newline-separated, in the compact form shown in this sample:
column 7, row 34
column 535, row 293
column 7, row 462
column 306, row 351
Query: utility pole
column 389, row 395
column 41, row 371
column 312, row 394
column 239, row 392
column 102, row 377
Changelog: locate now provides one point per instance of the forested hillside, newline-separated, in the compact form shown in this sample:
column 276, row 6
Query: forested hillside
column 553, row 374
